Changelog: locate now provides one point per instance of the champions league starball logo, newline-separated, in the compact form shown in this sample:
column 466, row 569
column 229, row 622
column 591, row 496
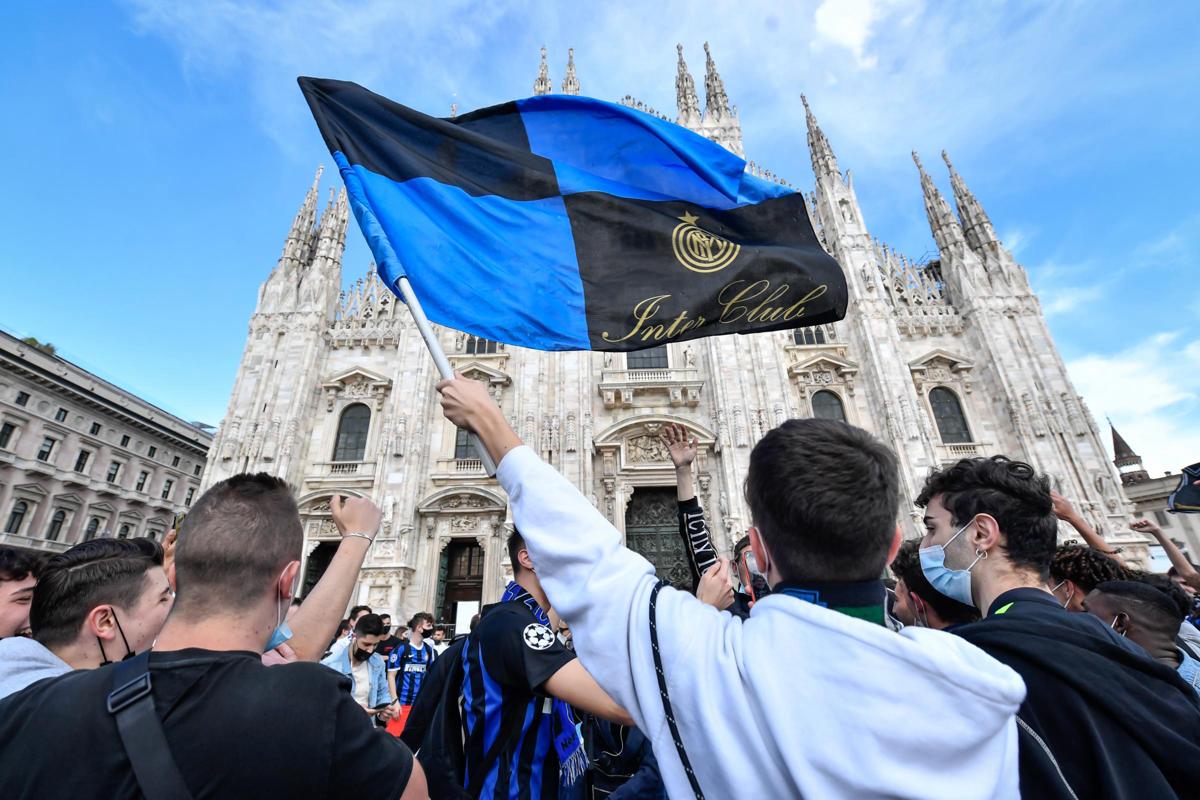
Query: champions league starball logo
column 699, row 250
column 538, row 637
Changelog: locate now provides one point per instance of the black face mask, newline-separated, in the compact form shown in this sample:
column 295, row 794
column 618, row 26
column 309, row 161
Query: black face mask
column 386, row 628
column 360, row 654
column 128, row 652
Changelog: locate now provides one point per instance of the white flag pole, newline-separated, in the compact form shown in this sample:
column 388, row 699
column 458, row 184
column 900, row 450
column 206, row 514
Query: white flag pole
column 439, row 355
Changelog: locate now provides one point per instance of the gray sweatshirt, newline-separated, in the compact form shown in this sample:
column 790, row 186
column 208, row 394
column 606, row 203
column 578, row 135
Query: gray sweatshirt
column 24, row 661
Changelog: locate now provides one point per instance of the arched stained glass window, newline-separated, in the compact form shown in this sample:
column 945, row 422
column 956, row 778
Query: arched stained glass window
column 19, row 510
column 948, row 413
column 123, row 533
column 352, row 433
column 56, row 525
column 827, row 405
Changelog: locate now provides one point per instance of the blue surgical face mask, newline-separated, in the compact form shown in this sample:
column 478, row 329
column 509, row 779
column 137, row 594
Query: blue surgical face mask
column 953, row 583
column 282, row 631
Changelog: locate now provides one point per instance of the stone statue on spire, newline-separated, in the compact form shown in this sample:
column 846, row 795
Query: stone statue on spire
column 570, row 84
column 542, row 85
column 685, row 95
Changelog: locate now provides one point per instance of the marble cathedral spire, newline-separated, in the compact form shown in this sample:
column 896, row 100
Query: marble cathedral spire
column 824, row 163
column 570, row 84
column 543, row 85
column 975, row 223
column 685, row 94
column 716, row 102
column 302, row 225
column 942, row 222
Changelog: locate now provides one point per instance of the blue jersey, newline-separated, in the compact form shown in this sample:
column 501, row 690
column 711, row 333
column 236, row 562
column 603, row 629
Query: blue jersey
column 411, row 663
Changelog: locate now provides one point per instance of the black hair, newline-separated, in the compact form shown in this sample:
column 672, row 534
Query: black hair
column 516, row 543
column 1170, row 588
column 741, row 545
column 387, row 617
column 907, row 567
column 234, row 542
column 1086, row 566
column 356, row 610
column 92, row 573
column 418, row 617
column 17, row 565
column 1152, row 608
column 824, row 496
column 369, row 625
column 1010, row 491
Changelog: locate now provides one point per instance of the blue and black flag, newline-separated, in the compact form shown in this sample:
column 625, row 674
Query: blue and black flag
column 567, row 223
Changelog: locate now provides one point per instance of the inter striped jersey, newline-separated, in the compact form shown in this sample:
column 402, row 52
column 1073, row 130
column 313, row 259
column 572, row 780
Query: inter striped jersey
column 410, row 663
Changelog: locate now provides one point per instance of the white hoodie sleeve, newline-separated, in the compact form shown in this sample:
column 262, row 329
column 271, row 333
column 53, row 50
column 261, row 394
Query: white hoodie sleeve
column 768, row 707
column 603, row 591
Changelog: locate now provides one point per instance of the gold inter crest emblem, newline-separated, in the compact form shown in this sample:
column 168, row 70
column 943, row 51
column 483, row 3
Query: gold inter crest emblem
column 699, row 250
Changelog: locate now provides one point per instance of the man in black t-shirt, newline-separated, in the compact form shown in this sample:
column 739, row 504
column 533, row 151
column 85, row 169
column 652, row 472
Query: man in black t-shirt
column 233, row 727
column 518, row 689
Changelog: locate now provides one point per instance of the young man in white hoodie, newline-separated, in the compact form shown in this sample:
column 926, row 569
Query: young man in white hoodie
column 811, row 696
column 100, row 601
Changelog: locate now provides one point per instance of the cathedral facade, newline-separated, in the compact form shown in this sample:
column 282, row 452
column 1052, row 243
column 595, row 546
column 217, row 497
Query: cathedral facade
column 941, row 360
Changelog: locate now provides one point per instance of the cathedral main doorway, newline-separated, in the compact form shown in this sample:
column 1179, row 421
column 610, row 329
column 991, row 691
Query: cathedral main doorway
column 652, row 529
column 318, row 562
column 460, row 584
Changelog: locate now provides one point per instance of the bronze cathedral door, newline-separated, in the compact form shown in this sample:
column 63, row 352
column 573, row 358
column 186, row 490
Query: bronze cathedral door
column 652, row 529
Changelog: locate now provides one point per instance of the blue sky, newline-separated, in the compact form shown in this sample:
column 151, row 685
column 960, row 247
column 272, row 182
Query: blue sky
column 158, row 151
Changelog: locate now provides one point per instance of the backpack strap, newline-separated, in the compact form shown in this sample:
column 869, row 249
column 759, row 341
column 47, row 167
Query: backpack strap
column 662, row 690
column 132, row 706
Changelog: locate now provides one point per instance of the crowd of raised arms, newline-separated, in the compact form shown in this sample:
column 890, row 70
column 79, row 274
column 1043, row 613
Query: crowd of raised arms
column 990, row 662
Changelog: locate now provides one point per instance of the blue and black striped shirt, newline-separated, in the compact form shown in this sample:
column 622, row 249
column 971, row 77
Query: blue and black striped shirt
column 508, row 658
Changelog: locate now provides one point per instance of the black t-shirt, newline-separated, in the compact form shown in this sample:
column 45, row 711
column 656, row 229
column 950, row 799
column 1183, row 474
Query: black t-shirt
column 386, row 646
column 508, row 657
column 235, row 727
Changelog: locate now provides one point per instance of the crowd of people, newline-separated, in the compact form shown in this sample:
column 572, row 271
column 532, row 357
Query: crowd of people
column 825, row 656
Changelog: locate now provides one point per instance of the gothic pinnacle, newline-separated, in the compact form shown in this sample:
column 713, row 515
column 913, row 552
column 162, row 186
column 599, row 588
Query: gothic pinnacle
column 685, row 94
column 823, row 160
column 942, row 222
column 542, row 85
column 716, row 102
column 570, row 84
column 976, row 225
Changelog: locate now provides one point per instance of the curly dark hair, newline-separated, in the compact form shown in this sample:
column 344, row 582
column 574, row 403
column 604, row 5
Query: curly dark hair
column 1010, row 491
column 1086, row 566
column 1167, row 586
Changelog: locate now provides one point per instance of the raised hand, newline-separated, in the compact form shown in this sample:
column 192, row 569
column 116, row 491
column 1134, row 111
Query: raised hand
column 355, row 515
column 1146, row 526
column 682, row 449
column 1062, row 506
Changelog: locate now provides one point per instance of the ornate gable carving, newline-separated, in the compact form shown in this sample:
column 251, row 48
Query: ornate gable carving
column 357, row 384
column 941, row 366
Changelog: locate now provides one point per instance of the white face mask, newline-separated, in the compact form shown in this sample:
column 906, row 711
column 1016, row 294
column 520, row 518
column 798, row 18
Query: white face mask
column 953, row 583
column 1070, row 593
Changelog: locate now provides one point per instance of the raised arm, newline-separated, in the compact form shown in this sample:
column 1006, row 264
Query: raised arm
column 702, row 555
column 1187, row 573
column 1067, row 513
column 315, row 624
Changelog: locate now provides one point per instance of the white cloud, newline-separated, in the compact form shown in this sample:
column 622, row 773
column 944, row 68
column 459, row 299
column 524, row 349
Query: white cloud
column 1063, row 299
column 1151, row 391
column 848, row 23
